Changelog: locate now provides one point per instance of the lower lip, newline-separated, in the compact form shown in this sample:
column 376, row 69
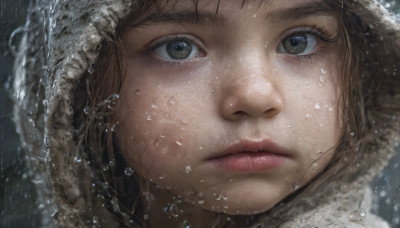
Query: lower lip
column 249, row 161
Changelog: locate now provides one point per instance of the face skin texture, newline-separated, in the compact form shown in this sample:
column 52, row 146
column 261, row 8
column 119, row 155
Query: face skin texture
column 238, row 85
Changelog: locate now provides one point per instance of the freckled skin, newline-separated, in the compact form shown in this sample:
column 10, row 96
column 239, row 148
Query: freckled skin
column 239, row 88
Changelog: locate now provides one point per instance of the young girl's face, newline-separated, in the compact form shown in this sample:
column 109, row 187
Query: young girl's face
column 231, row 111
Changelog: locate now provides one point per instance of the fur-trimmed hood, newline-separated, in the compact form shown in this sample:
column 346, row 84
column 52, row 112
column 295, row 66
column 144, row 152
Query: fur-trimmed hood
column 63, row 40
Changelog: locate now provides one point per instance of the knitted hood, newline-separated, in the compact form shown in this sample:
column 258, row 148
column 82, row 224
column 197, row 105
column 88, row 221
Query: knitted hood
column 63, row 40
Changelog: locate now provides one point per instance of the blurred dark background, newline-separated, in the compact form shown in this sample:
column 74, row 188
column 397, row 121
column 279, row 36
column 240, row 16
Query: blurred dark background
column 17, row 195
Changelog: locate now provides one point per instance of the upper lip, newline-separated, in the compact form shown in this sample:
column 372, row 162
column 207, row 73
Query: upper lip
column 250, row 146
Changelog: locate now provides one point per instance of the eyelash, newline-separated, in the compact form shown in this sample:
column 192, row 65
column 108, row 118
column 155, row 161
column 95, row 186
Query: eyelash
column 318, row 31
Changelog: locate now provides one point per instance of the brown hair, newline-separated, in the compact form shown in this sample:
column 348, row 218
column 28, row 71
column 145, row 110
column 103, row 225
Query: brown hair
column 121, row 192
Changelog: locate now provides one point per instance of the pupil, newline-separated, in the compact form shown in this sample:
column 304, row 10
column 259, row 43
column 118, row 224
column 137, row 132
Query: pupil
column 179, row 49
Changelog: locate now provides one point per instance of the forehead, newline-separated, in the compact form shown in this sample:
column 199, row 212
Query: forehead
column 205, row 11
column 216, row 5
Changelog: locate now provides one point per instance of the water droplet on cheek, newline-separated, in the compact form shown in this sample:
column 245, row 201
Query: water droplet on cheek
column 315, row 165
column 179, row 142
column 323, row 71
column 217, row 197
column 295, row 186
column 172, row 100
column 317, row 106
column 188, row 169
column 137, row 92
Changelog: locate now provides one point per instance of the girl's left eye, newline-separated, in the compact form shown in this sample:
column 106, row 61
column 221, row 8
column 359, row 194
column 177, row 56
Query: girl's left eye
column 298, row 44
column 176, row 49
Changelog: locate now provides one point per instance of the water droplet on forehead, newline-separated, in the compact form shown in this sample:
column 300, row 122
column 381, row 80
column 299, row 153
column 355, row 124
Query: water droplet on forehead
column 200, row 202
column 317, row 106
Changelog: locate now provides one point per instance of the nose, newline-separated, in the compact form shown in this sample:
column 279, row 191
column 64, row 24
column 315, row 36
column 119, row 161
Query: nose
column 250, row 97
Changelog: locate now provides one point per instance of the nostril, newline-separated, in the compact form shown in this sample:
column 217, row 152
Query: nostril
column 266, row 113
column 239, row 113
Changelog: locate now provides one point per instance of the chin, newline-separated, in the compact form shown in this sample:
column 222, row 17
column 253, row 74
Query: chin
column 242, row 207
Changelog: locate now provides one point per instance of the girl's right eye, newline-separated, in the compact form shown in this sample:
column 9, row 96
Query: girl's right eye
column 176, row 49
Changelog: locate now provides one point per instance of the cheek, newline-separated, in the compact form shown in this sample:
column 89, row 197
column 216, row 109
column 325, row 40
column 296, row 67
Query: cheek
column 154, row 137
column 313, row 103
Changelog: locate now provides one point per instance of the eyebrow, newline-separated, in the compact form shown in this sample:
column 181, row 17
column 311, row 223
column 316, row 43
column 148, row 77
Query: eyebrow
column 303, row 10
column 184, row 17
column 299, row 11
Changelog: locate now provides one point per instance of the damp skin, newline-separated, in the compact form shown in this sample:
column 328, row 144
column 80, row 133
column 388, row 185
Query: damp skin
column 253, row 79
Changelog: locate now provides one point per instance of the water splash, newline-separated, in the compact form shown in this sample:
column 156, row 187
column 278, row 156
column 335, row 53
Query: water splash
column 129, row 171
